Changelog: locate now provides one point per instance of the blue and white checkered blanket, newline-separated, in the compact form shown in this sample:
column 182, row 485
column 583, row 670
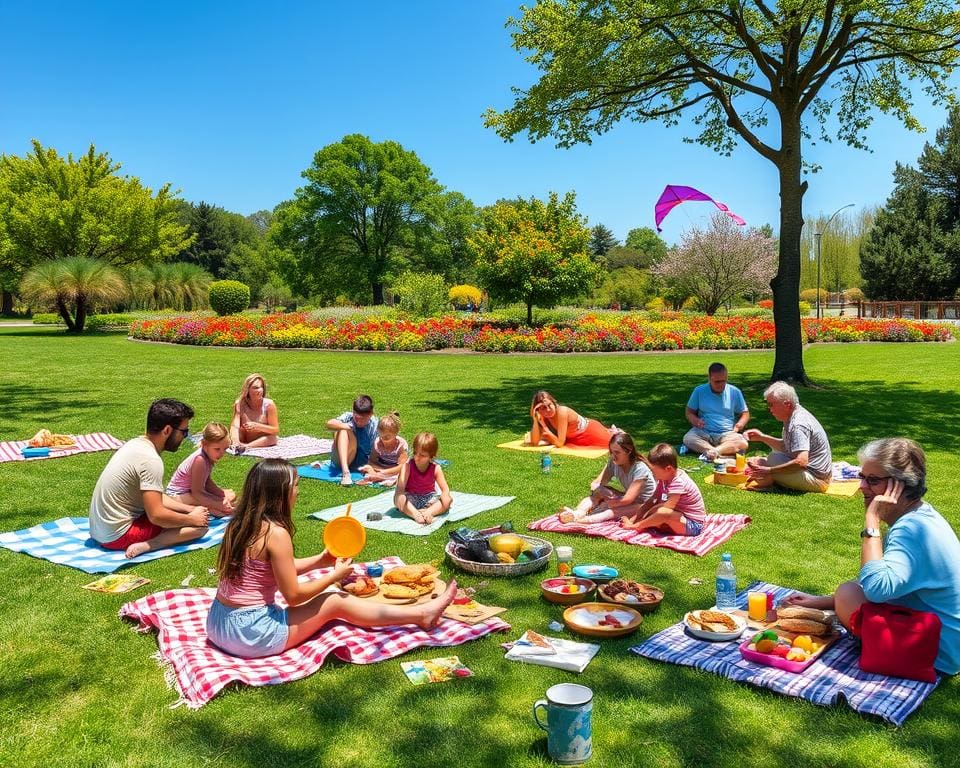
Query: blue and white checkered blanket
column 67, row 542
column 834, row 676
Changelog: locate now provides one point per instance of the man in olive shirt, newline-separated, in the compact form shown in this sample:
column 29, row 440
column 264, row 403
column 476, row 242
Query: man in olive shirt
column 129, row 510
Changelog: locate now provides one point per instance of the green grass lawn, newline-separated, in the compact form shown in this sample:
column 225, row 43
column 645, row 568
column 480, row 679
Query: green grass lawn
column 79, row 686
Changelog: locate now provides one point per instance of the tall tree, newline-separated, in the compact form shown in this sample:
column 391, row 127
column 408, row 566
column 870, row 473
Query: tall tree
column 908, row 253
column 534, row 251
column 730, row 66
column 54, row 207
column 360, row 201
column 719, row 264
column 601, row 241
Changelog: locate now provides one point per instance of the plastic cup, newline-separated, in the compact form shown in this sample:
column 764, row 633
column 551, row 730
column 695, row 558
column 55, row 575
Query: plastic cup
column 757, row 606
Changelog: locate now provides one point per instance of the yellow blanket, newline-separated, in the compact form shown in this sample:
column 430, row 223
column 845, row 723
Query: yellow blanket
column 567, row 450
column 846, row 488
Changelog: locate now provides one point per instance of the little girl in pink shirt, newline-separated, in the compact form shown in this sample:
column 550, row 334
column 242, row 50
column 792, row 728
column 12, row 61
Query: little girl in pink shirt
column 192, row 484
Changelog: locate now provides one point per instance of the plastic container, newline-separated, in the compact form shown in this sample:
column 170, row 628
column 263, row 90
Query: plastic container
column 564, row 561
column 374, row 570
column 546, row 463
column 726, row 584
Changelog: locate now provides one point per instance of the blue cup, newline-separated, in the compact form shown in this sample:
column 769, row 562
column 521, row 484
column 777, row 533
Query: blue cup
column 569, row 731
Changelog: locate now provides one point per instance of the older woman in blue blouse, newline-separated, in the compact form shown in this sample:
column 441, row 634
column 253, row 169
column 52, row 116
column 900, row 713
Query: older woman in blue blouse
column 918, row 565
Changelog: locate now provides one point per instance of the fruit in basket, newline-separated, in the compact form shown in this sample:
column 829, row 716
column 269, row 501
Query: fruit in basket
column 507, row 543
column 765, row 641
column 503, row 557
column 487, row 556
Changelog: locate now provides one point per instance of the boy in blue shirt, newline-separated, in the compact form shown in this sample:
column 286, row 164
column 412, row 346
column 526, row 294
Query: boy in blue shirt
column 353, row 436
column 717, row 414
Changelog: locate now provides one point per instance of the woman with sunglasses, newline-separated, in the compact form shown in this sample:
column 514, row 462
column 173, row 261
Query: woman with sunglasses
column 918, row 564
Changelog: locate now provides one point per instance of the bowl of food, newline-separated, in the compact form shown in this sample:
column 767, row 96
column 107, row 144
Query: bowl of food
column 643, row 597
column 714, row 625
column 567, row 590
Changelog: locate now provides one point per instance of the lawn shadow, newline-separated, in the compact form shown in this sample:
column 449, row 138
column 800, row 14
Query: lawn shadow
column 45, row 406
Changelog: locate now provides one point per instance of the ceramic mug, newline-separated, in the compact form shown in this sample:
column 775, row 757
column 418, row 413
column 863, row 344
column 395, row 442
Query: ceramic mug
column 569, row 707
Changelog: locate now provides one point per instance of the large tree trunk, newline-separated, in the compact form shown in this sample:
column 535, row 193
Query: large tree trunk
column 788, row 363
column 378, row 293
column 81, row 313
column 65, row 314
column 530, row 314
column 6, row 305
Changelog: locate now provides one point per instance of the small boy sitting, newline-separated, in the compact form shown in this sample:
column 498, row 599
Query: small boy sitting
column 353, row 436
column 677, row 504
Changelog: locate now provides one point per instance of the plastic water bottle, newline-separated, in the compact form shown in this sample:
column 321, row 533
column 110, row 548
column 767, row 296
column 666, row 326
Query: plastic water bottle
column 546, row 463
column 726, row 584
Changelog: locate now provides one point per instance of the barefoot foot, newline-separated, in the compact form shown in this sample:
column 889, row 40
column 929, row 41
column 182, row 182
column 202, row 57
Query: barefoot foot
column 433, row 610
column 137, row 549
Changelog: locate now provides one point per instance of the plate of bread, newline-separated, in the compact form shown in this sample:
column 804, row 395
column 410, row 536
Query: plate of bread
column 714, row 625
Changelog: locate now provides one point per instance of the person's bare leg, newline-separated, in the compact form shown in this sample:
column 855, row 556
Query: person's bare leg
column 732, row 447
column 848, row 597
column 345, row 449
column 264, row 441
column 667, row 519
column 432, row 510
column 168, row 538
column 305, row 620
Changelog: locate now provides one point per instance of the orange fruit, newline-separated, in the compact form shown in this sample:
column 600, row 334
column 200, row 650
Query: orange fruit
column 766, row 645
column 804, row 642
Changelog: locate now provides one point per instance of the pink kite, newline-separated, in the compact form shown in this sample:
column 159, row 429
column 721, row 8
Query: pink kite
column 673, row 195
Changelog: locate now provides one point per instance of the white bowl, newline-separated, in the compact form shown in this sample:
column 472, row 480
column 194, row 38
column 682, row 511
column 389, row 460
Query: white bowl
column 704, row 634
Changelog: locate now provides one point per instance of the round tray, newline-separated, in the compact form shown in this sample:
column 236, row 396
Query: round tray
column 705, row 634
column 500, row 569
column 584, row 619
column 549, row 589
column 642, row 607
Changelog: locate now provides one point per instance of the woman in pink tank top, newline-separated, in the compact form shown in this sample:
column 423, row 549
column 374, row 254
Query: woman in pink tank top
column 256, row 563
column 416, row 495
column 255, row 423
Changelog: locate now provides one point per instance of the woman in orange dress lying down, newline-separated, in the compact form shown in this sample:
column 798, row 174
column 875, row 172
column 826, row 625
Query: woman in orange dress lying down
column 560, row 425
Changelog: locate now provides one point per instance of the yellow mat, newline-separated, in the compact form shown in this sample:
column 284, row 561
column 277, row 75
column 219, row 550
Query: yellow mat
column 567, row 450
column 845, row 488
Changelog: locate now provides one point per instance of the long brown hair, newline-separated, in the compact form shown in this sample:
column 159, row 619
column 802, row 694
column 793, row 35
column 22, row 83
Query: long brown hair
column 265, row 498
column 542, row 396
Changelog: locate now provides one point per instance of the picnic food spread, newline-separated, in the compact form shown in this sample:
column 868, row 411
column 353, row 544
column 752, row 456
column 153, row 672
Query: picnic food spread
column 627, row 591
column 359, row 585
column 712, row 621
column 47, row 439
column 409, row 581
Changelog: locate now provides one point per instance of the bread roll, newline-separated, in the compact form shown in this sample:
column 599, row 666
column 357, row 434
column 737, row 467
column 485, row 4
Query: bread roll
column 799, row 612
column 804, row 626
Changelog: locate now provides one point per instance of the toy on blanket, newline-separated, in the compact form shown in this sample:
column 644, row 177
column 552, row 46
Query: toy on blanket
column 47, row 439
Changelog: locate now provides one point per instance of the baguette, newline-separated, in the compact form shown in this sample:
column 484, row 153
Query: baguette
column 799, row 612
column 804, row 626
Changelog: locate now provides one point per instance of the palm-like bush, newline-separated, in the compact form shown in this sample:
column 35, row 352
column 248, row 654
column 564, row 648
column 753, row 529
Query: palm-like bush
column 73, row 286
column 176, row 285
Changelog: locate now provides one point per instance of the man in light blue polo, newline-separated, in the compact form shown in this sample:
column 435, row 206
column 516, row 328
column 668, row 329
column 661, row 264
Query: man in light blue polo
column 717, row 414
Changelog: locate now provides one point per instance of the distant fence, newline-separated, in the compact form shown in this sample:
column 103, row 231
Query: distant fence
column 910, row 310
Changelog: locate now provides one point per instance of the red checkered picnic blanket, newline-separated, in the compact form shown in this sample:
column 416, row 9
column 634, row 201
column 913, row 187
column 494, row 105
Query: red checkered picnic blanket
column 716, row 530
column 96, row 441
column 199, row 670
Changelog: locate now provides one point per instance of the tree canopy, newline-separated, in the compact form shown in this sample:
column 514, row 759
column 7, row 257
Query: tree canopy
column 730, row 67
column 362, row 204
column 54, row 207
column 719, row 264
column 534, row 251
column 601, row 240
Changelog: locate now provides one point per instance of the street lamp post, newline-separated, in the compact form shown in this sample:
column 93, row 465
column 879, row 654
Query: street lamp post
column 816, row 242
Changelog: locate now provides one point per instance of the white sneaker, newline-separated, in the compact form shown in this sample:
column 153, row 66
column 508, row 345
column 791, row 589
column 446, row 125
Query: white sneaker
column 346, row 480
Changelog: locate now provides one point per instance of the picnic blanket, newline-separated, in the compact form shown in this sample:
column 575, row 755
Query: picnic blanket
column 91, row 443
column 716, row 530
column 835, row 676
column 290, row 447
column 328, row 473
column 568, row 450
column 846, row 488
column 67, row 542
column 464, row 505
column 198, row 670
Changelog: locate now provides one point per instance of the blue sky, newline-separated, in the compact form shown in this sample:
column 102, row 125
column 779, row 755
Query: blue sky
column 229, row 101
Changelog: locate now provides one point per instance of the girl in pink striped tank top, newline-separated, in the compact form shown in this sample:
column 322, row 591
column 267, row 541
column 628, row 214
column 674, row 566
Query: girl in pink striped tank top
column 420, row 478
column 256, row 564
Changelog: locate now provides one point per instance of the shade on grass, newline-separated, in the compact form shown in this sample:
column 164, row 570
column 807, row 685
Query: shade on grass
column 79, row 687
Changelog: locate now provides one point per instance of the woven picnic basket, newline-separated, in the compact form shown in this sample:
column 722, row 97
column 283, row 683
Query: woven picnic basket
column 455, row 551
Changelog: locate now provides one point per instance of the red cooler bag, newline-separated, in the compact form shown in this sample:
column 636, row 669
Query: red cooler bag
column 897, row 641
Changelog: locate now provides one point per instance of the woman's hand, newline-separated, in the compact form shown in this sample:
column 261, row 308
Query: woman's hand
column 342, row 568
column 797, row 598
column 883, row 503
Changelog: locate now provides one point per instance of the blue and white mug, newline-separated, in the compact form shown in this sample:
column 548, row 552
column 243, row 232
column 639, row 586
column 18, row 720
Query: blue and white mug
column 569, row 734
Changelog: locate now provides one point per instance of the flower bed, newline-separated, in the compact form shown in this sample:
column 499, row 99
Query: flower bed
column 591, row 333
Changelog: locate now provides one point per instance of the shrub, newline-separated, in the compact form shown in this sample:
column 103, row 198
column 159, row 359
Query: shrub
column 464, row 296
column 47, row 318
column 422, row 294
column 805, row 308
column 767, row 314
column 656, row 304
column 853, row 295
column 228, row 297
column 810, row 296
column 765, row 303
